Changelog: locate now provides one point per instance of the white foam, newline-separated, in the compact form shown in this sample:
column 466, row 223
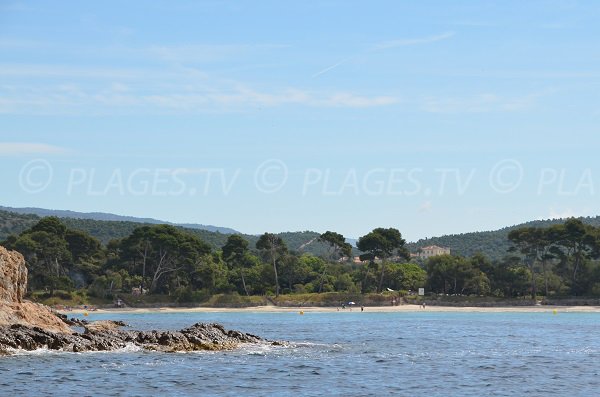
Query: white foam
column 128, row 348
column 37, row 352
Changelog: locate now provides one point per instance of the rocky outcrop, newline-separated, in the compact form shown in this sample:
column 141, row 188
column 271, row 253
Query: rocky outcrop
column 102, row 325
column 13, row 276
column 30, row 326
column 195, row 338
column 13, row 308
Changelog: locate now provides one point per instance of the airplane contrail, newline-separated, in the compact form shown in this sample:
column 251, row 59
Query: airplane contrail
column 327, row 69
column 387, row 45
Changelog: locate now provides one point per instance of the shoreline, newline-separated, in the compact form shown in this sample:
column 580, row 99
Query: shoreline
column 369, row 309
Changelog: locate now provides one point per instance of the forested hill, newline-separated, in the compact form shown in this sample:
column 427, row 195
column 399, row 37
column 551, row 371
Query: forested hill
column 493, row 244
column 15, row 223
column 102, row 216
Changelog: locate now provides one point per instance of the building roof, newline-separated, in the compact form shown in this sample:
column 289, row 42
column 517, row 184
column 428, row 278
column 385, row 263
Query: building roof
column 434, row 247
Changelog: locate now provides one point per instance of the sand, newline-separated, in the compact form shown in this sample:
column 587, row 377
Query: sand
column 355, row 309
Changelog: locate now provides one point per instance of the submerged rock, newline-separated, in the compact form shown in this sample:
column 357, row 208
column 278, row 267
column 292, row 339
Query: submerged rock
column 197, row 337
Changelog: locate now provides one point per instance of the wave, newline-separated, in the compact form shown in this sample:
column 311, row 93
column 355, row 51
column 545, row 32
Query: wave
column 128, row 348
column 261, row 349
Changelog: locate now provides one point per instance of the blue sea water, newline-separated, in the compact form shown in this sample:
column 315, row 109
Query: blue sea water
column 336, row 354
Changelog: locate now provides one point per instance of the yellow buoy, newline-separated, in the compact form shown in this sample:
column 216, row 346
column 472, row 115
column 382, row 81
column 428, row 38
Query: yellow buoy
column 301, row 312
column 554, row 311
column 85, row 314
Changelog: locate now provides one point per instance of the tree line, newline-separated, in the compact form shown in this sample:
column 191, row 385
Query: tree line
column 166, row 260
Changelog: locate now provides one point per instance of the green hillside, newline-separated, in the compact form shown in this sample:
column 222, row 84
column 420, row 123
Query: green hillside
column 102, row 216
column 15, row 223
column 493, row 244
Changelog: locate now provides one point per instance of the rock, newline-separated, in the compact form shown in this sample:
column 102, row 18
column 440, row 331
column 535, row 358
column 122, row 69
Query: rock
column 13, row 308
column 72, row 321
column 103, row 325
column 30, row 326
column 13, row 276
column 195, row 338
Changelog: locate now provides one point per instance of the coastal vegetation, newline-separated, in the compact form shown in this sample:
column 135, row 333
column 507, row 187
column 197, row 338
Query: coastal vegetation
column 493, row 244
column 157, row 264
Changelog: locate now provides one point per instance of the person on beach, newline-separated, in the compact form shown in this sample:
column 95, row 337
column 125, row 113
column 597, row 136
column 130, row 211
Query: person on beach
column 362, row 308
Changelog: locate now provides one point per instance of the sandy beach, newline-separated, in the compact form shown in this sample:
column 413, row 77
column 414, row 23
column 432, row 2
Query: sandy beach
column 377, row 309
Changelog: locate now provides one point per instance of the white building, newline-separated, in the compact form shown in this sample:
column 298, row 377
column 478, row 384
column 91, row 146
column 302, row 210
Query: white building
column 432, row 250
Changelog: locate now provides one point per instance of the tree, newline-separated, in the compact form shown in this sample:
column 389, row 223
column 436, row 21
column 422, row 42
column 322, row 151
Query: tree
column 161, row 250
column 576, row 242
column 572, row 243
column 405, row 276
column 511, row 278
column 87, row 254
column 382, row 243
column 210, row 273
column 274, row 247
column 527, row 241
column 54, row 252
column 440, row 271
column 338, row 247
column 82, row 246
column 51, row 225
column 545, row 239
column 337, row 243
column 296, row 271
column 234, row 254
column 450, row 274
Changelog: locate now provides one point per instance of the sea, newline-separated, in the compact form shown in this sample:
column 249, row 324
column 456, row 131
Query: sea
column 345, row 353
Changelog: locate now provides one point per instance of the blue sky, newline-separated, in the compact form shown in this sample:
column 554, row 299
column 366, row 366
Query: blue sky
column 433, row 117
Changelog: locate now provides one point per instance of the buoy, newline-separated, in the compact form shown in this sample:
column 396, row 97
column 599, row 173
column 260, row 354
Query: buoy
column 85, row 314
column 554, row 311
column 301, row 312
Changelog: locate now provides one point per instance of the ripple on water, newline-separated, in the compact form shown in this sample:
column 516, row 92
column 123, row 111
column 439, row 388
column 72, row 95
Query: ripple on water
column 352, row 355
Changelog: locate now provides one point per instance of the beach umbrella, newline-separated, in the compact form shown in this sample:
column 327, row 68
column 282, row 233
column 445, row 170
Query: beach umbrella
column 351, row 303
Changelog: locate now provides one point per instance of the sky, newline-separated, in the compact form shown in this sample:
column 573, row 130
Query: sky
column 432, row 117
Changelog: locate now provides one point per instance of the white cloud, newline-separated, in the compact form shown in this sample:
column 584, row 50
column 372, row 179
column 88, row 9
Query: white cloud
column 193, row 96
column 22, row 148
column 407, row 42
column 245, row 97
column 357, row 101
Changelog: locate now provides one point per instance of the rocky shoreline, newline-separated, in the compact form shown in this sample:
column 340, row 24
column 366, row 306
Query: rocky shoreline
column 29, row 326
column 195, row 338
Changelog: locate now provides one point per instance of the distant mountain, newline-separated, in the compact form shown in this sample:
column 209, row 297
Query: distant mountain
column 102, row 216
